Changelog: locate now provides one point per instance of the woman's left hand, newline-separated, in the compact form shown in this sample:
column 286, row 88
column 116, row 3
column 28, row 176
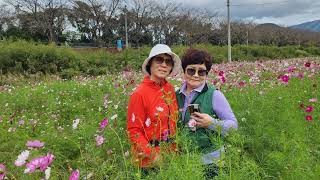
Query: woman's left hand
column 203, row 119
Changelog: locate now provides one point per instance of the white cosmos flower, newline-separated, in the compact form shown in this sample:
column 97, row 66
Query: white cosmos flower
column 133, row 118
column 148, row 122
column 114, row 116
column 22, row 158
column 159, row 109
column 47, row 172
column 75, row 123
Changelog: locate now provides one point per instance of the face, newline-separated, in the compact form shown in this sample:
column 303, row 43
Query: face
column 161, row 66
column 195, row 75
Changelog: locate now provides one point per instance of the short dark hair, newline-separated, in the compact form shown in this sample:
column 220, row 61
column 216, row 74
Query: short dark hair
column 148, row 66
column 196, row 56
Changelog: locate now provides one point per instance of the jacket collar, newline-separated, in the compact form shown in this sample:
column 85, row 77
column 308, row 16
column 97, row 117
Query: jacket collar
column 150, row 82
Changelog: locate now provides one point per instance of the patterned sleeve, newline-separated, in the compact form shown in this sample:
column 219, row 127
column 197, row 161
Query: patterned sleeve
column 135, row 118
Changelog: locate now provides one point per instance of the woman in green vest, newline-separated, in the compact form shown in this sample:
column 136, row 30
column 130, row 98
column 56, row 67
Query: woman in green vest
column 204, row 113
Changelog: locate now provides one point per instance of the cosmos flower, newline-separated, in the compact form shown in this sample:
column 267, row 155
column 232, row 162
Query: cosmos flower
column 22, row 158
column 34, row 144
column 2, row 171
column 284, row 78
column 192, row 124
column 309, row 109
column 165, row 135
column 114, row 117
column 75, row 175
column 99, row 140
column 307, row 64
column 309, row 118
column 42, row 163
column 75, row 123
column 313, row 100
column 104, row 123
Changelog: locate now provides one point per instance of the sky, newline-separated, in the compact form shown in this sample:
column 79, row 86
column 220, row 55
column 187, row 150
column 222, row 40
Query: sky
column 281, row 12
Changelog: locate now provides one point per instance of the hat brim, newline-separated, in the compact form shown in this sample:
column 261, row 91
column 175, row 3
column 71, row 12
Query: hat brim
column 176, row 67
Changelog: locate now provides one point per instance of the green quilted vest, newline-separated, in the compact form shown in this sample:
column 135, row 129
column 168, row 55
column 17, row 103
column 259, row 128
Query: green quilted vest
column 203, row 140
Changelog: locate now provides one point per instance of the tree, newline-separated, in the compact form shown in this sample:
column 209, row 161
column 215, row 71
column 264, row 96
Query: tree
column 45, row 17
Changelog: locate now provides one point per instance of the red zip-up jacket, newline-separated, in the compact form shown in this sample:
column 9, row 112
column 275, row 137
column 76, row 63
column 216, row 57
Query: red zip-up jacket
column 152, row 116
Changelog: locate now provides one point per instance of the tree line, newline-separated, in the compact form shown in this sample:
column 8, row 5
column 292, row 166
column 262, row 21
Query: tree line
column 102, row 22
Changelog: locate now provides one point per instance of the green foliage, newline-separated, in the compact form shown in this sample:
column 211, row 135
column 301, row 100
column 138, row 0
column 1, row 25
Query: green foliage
column 25, row 57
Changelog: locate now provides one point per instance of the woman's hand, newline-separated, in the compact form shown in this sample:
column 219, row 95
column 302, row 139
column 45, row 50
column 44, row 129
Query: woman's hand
column 203, row 119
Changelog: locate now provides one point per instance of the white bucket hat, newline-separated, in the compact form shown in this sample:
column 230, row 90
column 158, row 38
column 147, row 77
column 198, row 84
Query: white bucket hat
column 163, row 49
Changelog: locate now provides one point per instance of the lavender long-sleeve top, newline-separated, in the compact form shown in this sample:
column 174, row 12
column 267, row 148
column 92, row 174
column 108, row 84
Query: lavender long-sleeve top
column 223, row 111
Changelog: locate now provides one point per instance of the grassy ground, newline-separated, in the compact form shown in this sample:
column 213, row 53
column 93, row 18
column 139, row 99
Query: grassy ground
column 271, row 101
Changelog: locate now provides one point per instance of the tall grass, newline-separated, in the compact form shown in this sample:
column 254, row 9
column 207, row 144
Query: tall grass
column 274, row 141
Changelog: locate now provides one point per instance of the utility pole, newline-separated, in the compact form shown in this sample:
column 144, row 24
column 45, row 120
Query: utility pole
column 126, row 26
column 229, row 38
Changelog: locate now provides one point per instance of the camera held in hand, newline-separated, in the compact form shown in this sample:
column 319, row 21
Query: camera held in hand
column 194, row 108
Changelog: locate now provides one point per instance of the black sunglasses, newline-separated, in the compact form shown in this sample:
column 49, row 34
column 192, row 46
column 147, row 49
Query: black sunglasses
column 193, row 71
column 160, row 60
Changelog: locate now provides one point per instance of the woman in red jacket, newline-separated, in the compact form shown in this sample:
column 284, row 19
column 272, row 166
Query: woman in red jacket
column 153, row 110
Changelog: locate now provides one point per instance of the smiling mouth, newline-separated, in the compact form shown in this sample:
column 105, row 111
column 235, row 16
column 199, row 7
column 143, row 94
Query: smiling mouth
column 162, row 71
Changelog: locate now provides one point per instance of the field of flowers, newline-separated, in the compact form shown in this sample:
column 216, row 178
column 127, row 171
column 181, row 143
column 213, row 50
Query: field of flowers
column 60, row 129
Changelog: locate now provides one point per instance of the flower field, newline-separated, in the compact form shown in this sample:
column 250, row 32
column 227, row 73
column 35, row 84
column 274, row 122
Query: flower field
column 51, row 128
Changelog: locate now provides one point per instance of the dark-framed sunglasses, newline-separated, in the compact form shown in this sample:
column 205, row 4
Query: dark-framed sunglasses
column 193, row 71
column 160, row 60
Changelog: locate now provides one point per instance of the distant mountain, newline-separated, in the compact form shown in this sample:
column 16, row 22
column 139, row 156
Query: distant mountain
column 310, row 26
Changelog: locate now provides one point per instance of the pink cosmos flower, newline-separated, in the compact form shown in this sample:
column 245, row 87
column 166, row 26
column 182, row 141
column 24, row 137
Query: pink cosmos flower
column 35, row 144
column 103, row 123
column 300, row 75
column 309, row 118
column 42, row 163
column 74, row 175
column 21, row 122
column 2, row 171
column 99, row 140
column 284, row 78
column 221, row 73
column 313, row 100
column 192, row 124
column 291, row 69
column 309, row 109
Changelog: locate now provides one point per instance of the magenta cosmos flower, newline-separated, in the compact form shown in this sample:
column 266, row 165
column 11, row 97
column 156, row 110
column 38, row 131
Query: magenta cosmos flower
column 35, row 144
column 309, row 109
column 42, row 163
column 103, row 123
column 309, row 118
column 284, row 78
column 74, row 175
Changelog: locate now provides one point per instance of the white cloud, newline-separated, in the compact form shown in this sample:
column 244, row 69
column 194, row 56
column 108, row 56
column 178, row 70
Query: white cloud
column 282, row 12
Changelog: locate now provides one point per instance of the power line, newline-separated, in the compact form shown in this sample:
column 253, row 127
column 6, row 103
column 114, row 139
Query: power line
column 260, row 4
